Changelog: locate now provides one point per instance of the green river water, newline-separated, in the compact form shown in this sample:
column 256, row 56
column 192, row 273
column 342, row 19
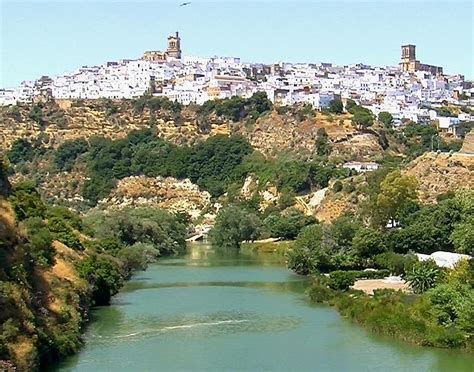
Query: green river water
column 215, row 311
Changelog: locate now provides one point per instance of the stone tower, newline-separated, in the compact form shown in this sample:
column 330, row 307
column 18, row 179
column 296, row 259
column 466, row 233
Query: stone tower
column 408, row 61
column 408, row 52
column 174, row 46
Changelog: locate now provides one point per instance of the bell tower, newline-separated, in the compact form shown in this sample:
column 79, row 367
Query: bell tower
column 408, row 61
column 174, row 46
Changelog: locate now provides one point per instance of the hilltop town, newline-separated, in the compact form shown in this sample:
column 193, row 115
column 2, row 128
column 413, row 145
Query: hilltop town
column 412, row 91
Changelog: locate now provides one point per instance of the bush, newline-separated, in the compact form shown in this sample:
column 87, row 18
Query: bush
column 39, row 241
column 26, row 201
column 335, row 106
column 64, row 233
column 422, row 276
column 341, row 280
column 337, row 187
column 396, row 263
column 318, row 291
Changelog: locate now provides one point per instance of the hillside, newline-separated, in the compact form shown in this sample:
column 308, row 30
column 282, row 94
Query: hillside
column 57, row 121
column 439, row 173
column 43, row 308
column 54, row 266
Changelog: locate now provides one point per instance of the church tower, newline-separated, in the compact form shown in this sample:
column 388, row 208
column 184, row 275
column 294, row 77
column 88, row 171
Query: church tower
column 408, row 61
column 174, row 46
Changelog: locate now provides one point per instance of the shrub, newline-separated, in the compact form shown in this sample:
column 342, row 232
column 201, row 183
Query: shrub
column 396, row 263
column 341, row 280
column 26, row 201
column 39, row 241
column 337, row 187
column 422, row 276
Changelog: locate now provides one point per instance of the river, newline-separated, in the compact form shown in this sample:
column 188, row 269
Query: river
column 216, row 311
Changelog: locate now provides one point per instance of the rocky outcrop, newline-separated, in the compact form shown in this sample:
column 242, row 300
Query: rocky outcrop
column 275, row 133
column 167, row 193
column 267, row 194
column 439, row 173
column 468, row 144
column 74, row 119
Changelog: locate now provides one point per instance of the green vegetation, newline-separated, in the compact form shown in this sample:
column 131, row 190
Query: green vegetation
column 45, row 305
column 336, row 106
column 422, row 276
column 67, row 153
column 234, row 225
column 362, row 117
column 237, row 108
column 385, row 118
column 211, row 164
column 441, row 316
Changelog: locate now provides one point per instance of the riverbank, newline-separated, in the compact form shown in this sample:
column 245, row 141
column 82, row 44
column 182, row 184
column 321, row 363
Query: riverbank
column 422, row 319
column 214, row 309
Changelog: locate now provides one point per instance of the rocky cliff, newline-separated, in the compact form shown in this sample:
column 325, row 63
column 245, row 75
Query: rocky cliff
column 167, row 193
column 57, row 121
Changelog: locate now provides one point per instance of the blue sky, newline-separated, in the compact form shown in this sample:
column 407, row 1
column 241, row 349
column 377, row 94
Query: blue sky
column 50, row 38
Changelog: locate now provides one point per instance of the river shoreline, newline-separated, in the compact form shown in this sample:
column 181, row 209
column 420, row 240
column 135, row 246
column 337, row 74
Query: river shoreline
column 214, row 306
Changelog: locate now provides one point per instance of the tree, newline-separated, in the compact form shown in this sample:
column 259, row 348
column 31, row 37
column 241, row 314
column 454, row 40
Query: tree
column 322, row 143
column 462, row 237
column 342, row 231
column 36, row 114
column 385, row 118
column 39, row 241
column 422, row 276
column 234, row 225
column 67, row 153
column 309, row 253
column 335, row 106
column 20, row 151
column 103, row 273
column 368, row 242
column 286, row 225
column 363, row 118
column 396, row 191
column 26, row 201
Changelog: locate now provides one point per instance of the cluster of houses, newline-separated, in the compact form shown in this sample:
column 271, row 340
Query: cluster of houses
column 408, row 94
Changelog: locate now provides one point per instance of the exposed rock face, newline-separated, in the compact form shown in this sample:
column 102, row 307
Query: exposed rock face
column 70, row 120
column 468, row 144
column 275, row 133
column 63, row 120
column 268, row 194
column 359, row 146
column 167, row 193
column 440, row 173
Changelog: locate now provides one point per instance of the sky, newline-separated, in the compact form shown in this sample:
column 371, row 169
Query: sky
column 53, row 37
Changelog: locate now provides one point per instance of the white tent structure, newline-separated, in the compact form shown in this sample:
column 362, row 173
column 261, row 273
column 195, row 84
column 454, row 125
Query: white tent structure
column 443, row 259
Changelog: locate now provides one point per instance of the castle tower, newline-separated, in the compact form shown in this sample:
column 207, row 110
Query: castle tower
column 174, row 46
column 408, row 61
